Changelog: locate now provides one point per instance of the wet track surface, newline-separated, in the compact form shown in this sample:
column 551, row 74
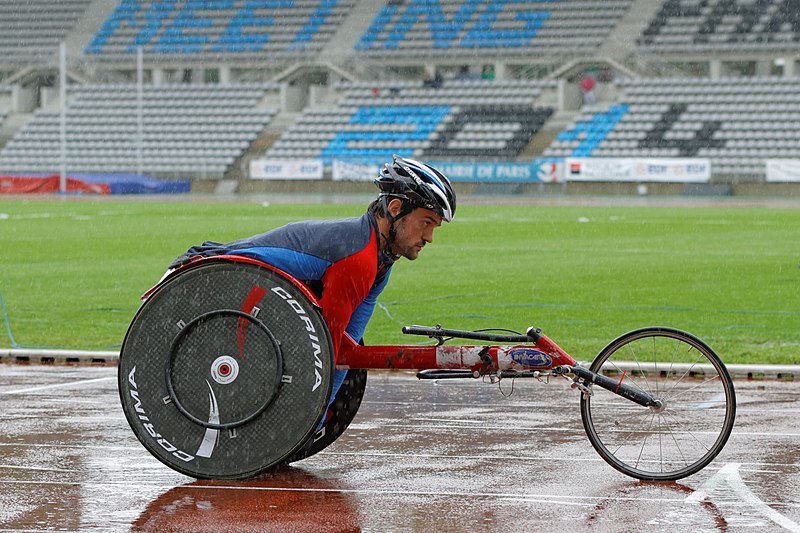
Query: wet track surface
column 419, row 456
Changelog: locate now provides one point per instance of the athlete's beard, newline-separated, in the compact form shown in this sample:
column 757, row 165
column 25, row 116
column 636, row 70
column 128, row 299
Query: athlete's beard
column 409, row 251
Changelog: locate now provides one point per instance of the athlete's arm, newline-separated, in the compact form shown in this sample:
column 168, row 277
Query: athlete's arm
column 362, row 314
column 347, row 283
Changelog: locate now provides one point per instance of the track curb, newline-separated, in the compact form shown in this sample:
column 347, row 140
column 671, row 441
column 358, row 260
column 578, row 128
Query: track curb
column 48, row 356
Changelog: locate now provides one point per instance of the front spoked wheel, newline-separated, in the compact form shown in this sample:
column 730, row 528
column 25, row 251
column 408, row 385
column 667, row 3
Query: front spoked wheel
column 689, row 426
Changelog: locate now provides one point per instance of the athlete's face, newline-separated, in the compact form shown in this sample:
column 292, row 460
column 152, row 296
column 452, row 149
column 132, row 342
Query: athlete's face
column 414, row 231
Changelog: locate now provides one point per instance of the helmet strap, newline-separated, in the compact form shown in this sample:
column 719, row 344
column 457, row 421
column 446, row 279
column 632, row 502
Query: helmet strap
column 407, row 208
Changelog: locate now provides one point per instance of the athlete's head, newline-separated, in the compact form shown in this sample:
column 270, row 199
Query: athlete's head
column 418, row 185
column 415, row 199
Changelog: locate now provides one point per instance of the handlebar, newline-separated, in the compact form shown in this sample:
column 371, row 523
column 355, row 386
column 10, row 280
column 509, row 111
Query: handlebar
column 439, row 333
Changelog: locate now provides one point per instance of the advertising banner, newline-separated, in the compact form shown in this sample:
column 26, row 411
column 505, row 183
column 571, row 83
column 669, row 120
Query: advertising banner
column 286, row 169
column 349, row 170
column 501, row 172
column 677, row 170
column 784, row 170
column 538, row 171
column 48, row 185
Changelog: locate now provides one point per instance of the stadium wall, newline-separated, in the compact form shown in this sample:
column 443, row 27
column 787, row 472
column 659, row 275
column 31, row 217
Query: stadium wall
column 572, row 176
column 329, row 187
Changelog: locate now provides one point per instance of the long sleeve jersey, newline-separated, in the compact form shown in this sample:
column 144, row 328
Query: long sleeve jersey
column 338, row 259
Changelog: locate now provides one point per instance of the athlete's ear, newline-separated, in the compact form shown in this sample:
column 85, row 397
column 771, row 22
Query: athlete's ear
column 395, row 206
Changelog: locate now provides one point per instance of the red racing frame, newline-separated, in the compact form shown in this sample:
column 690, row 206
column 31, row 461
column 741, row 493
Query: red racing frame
column 543, row 355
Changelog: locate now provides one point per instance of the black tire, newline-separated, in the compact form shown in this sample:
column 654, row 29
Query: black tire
column 226, row 370
column 679, row 438
column 339, row 415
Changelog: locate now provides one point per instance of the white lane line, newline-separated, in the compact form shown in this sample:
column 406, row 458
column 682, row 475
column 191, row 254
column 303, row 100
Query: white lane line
column 410, row 426
column 763, row 434
column 754, row 467
column 730, row 475
column 36, row 468
column 370, row 425
column 448, row 420
column 735, row 481
column 535, row 498
column 145, row 453
column 703, row 493
column 56, row 386
column 543, row 498
column 757, row 468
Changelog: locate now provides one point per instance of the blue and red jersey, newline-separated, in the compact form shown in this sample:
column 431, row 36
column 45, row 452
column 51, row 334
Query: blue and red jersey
column 338, row 259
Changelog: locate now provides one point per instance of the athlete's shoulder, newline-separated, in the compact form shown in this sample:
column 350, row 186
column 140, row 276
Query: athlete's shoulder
column 331, row 240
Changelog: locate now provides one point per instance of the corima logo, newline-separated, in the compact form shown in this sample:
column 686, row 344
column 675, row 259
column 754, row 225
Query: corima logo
column 315, row 346
column 530, row 357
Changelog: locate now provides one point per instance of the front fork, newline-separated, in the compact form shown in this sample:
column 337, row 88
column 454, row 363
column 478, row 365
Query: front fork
column 632, row 393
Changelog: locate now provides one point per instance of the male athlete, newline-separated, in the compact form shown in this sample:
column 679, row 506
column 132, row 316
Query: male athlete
column 347, row 262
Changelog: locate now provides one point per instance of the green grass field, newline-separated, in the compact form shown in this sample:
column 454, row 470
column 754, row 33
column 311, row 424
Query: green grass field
column 72, row 271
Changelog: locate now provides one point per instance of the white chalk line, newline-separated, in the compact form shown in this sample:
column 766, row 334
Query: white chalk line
column 544, row 498
column 472, row 425
column 37, row 469
column 729, row 474
column 573, row 500
column 756, row 468
column 520, row 403
column 55, row 386
column 140, row 451
column 410, row 425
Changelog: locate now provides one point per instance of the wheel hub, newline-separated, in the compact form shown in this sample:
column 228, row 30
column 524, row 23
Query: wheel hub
column 658, row 406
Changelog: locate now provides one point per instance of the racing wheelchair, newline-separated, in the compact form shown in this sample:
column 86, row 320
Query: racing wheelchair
column 226, row 372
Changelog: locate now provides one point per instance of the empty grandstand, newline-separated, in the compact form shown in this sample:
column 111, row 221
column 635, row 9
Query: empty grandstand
column 695, row 27
column 472, row 118
column 455, row 27
column 736, row 123
column 31, row 31
column 196, row 130
column 218, row 27
column 504, row 81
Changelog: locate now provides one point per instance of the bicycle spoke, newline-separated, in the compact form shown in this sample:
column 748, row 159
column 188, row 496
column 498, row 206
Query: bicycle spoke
column 639, row 367
column 693, row 388
column 677, row 444
column 691, row 366
column 690, row 433
column 644, row 442
column 629, row 434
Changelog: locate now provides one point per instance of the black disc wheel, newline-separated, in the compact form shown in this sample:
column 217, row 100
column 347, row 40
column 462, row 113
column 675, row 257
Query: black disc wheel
column 339, row 415
column 226, row 370
column 695, row 412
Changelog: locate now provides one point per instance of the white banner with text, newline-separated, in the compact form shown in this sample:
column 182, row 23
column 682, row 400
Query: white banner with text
column 783, row 170
column 543, row 171
column 678, row 170
column 349, row 170
column 286, row 169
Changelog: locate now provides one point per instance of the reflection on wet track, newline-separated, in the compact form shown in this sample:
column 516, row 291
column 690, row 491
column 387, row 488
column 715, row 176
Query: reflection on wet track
column 420, row 456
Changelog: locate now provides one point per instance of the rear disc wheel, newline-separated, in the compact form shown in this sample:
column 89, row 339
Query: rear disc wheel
column 339, row 415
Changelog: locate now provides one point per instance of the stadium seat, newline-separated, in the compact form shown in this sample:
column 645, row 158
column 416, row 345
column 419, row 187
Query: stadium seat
column 227, row 28
column 467, row 28
column 715, row 27
column 31, row 31
column 485, row 120
column 193, row 129
column 737, row 123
